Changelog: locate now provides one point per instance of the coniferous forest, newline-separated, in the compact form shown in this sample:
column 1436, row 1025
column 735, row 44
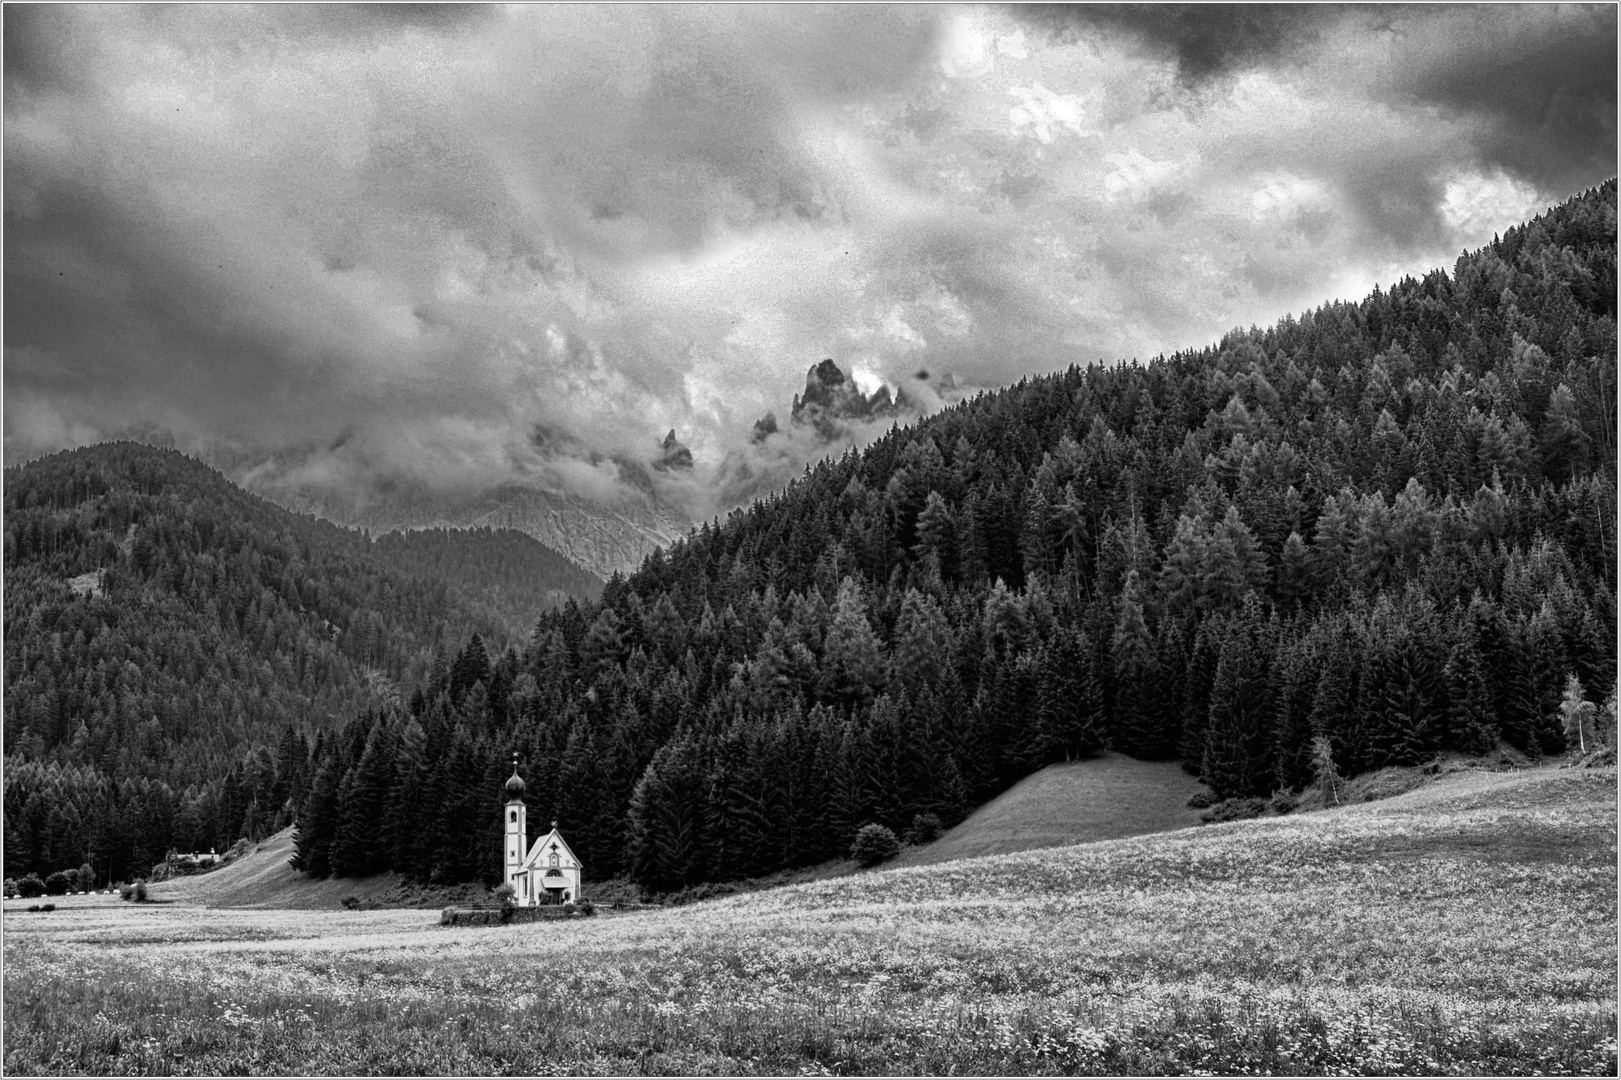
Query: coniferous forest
column 175, row 649
column 1389, row 524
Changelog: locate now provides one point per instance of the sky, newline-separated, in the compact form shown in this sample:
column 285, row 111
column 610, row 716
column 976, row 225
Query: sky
column 469, row 244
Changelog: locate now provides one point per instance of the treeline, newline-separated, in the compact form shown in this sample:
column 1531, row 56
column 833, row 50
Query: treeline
column 171, row 642
column 506, row 576
column 1387, row 523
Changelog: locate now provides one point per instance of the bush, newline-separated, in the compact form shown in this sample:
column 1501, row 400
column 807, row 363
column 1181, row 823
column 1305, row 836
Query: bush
column 874, row 844
column 33, row 907
column 508, row 897
column 1235, row 810
column 569, row 909
column 48, row 907
column 140, row 892
column 350, row 902
column 1202, row 798
column 11, row 888
column 30, row 887
column 87, row 877
column 127, row 892
column 56, row 884
column 926, row 828
column 1283, row 802
column 587, row 908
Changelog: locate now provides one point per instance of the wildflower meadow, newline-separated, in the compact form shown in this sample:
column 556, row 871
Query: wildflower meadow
column 1468, row 927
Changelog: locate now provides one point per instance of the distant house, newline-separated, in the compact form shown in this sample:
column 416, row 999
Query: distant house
column 545, row 872
column 194, row 858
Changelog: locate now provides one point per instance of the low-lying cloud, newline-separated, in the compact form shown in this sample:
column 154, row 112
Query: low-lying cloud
column 353, row 245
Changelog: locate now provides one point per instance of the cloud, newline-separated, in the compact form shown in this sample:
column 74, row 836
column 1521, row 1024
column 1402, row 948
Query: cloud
column 1541, row 85
column 371, row 244
column 1204, row 41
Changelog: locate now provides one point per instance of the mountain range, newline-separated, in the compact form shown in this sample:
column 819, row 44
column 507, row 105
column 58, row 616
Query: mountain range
column 1367, row 534
column 602, row 537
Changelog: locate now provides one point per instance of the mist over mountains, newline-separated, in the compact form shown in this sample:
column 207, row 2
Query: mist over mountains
column 646, row 504
column 363, row 248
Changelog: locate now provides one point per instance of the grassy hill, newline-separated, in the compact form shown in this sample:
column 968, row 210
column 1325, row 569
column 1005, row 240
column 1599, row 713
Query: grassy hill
column 1468, row 926
column 262, row 879
column 1103, row 798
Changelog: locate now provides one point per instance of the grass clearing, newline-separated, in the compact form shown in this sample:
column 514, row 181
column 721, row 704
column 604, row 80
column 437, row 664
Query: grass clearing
column 263, row 879
column 1467, row 927
column 1101, row 798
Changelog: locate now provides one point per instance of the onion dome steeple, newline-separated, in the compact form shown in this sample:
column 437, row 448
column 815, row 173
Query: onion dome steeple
column 515, row 784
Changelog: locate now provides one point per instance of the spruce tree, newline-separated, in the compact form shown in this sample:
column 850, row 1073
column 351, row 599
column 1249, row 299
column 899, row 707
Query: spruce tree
column 1470, row 712
column 318, row 823
column 1237, row 757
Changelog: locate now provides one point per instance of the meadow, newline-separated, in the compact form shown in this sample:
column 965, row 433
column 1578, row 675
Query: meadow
column 1468, row 927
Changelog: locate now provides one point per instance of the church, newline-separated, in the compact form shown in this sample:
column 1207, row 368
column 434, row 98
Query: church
column 545, row 872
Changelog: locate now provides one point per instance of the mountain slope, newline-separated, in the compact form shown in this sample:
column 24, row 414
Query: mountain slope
column 172, row 643
column 507, row 575
column 1368, row 534
column 601, row 538
column 1107, row 797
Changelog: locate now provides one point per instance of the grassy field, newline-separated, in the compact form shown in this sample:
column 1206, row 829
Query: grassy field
column 263, row 879
column 1465, row 927
column 1102, row 798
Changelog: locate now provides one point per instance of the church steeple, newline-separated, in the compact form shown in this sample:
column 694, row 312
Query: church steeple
column 517, row 836
column 515, row 784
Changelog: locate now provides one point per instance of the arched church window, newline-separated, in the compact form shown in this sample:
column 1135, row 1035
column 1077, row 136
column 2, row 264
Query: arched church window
column 514, row 817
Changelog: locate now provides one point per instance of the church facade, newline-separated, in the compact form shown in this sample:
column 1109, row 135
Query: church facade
column 544, row 872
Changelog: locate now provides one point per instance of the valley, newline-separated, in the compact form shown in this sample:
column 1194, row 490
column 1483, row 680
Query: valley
column 810, row 539
column 1468, row 926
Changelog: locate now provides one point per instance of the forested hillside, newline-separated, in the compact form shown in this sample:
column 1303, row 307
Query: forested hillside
column 1386, row 523
column 172, row 645
column 507, row 577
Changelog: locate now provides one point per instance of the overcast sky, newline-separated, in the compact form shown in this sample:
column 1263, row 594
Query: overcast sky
column 423, row 235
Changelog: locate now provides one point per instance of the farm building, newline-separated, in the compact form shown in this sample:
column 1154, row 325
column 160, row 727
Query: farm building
column 545, row 872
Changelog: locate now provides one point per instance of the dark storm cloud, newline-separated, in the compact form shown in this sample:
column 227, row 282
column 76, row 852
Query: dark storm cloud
column 365, row 241
column 1543, row 83
column 44, row 48
column 1206, row 41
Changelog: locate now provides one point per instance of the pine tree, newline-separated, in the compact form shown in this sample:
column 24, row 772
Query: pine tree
column 853, row 659
column 667, row 813
column 1135, row 728
column 318, row 823
column 1471, row 720
column 1237, row 756
column 1069, row 700
column 358, row 845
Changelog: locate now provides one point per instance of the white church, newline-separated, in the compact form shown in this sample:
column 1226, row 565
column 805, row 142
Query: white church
column 545, row 872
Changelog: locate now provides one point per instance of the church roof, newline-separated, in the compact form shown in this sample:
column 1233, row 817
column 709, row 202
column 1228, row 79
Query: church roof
column 544, row 847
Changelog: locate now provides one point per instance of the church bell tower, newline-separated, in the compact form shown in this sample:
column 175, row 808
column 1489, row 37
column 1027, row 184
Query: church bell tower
column 517, row 838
